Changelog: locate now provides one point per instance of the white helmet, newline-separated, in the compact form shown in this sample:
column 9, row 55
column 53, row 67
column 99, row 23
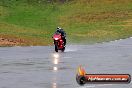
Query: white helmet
column 58, row 28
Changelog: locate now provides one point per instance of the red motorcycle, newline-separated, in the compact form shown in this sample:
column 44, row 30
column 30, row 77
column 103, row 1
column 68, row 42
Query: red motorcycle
column 58, row 42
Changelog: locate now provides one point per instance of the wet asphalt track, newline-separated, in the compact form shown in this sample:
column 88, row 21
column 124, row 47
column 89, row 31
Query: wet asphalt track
column 37, row 67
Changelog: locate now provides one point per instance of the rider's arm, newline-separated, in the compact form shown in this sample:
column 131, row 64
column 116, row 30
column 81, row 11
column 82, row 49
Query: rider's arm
column 64, row 33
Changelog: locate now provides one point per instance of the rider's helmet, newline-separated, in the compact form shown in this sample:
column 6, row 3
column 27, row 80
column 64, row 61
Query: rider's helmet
column 59, row 28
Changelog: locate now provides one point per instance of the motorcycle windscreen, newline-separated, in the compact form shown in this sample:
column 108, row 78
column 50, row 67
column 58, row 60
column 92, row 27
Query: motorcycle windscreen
column 57, row 36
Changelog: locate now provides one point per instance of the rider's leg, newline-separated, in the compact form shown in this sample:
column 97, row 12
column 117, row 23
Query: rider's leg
column 64, row 41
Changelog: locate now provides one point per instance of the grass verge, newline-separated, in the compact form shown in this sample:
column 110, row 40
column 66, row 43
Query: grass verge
column 85, row 21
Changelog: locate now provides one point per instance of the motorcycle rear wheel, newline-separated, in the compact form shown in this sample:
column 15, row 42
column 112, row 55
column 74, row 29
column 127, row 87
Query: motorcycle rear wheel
column 63, row 49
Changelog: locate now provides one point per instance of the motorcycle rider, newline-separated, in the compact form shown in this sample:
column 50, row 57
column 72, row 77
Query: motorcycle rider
column 63, row 34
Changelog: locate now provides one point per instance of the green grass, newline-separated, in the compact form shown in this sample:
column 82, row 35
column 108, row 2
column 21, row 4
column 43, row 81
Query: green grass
column 85, row 21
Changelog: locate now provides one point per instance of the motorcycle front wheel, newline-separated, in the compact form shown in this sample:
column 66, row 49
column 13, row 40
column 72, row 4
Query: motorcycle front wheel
column 56, row 48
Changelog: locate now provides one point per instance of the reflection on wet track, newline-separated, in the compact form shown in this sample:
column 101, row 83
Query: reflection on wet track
column 41, row 67
column 55, row 61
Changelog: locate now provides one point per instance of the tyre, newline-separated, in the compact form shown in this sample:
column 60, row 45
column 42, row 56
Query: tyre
column 63, row 49
column 56, row 48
